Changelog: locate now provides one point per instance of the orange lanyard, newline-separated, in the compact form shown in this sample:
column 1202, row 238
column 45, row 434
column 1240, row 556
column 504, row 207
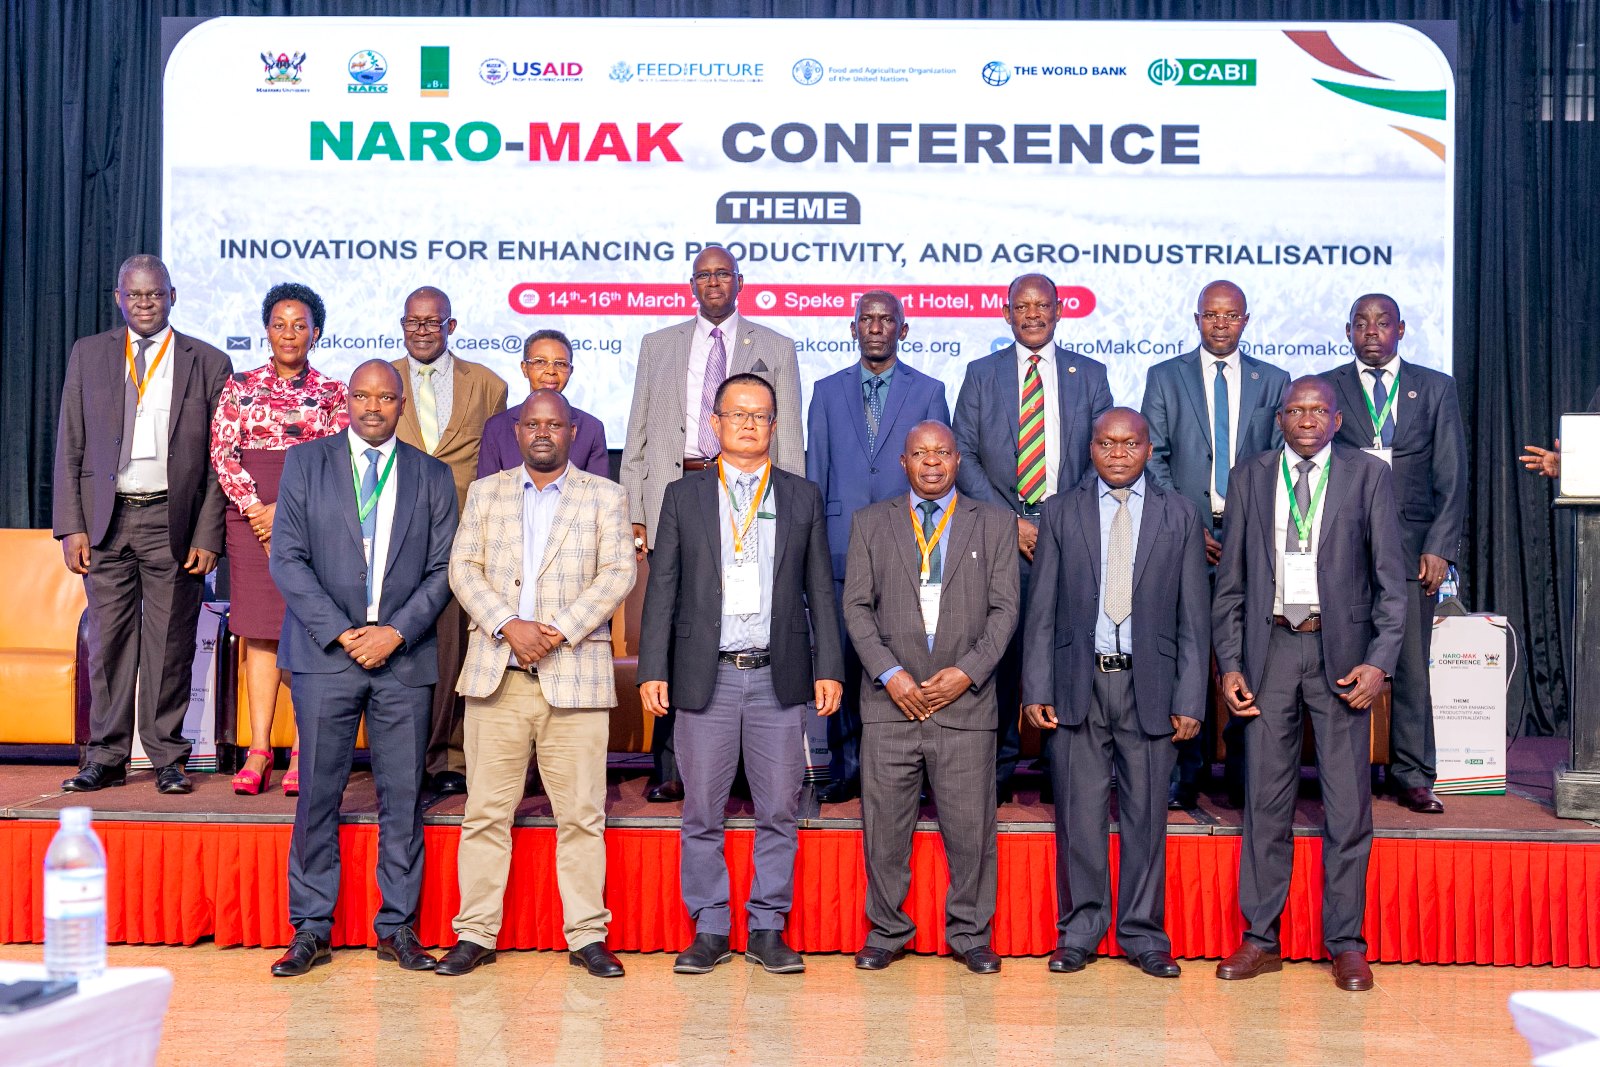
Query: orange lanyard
column 926, row 546
column 149, row 372
column 735, row 524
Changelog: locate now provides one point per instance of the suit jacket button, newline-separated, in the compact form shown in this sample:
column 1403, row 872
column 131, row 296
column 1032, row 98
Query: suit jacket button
column 874, row 470
column 517, row 581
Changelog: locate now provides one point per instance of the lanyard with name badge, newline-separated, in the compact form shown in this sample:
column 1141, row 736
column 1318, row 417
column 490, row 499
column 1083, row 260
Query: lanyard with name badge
column 1299, row 569
column 149, row 372
column 741, row 583
column 1381, row 417
column 928, row 592
column 142, row 444
column 364, row 507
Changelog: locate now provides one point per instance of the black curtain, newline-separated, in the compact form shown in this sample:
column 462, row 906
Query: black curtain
column 81, row 186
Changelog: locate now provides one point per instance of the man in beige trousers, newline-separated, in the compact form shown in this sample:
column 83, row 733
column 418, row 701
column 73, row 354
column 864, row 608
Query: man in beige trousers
column 542, row 557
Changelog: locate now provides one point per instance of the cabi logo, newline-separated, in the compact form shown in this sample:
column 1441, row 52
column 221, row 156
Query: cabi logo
column 367, row 69
column 1202, row 71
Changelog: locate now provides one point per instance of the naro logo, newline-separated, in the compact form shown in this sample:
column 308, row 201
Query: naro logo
column 1165, row 71
column 996, row 73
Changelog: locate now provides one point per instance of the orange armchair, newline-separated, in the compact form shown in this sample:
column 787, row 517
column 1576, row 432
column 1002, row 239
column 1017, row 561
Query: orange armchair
column 38, row 640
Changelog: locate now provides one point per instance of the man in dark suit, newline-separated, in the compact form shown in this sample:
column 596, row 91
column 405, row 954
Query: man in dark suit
column 1116, row 665
column 361, row 552
column 1409, row 417
column 1023, row 419
column 1308, row 619
column 741, row 553
column 927, row 698
column 856, row 415
column 1206, row 408
column 139, row 515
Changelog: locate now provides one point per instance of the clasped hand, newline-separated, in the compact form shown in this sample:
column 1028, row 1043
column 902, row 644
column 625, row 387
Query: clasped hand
column 370, row 646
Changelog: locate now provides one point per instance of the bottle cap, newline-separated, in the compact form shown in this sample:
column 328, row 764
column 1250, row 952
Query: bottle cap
column 75, row 818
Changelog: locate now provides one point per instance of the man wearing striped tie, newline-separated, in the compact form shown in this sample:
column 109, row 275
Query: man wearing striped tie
column 1023, row 421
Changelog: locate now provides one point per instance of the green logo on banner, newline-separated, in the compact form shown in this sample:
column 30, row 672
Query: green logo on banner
column 435, row 70
column 1202, row 72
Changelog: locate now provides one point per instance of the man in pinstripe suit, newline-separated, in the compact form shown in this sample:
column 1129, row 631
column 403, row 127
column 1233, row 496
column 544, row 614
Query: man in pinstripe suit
column 541, row 561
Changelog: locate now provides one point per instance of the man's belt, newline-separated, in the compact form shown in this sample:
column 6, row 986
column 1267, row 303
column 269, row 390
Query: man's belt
column 696, row 463
column 1122, row 661
column 746, row 661
column 141, row 500
column 533, row 669
column 1310, row 626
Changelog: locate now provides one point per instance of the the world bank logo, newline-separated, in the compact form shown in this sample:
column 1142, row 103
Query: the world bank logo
column 1164, row 71
column 368, row 67
column 621, row 72
column 808, row 72
column 996, row 73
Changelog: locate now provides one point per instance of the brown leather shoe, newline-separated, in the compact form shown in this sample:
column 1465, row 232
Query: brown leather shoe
column 1421, row 800
column 1248, row 961
column 1350, row 971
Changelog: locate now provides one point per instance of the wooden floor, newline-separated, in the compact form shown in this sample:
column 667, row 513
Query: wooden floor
column 534, row 1008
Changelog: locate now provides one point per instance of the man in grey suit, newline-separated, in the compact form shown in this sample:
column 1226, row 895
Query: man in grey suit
column 741, row 560
column 670, row 429
column 1409, row 416
column 1022, row 424
column 139, row 515
column 1115, row 669
column 1206, row 408
column 1308, row 619
column 927, row 689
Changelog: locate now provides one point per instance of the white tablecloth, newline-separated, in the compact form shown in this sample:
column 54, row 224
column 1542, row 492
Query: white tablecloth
column 1563, row 1029
column 111, row 1021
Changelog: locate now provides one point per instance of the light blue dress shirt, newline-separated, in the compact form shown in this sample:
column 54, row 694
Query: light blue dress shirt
column 944, row 539
column 1105, row 633
column 749, row 633
column 539, row 508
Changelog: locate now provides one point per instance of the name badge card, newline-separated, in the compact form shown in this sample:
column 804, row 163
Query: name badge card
column 143, row 443
column 1385, row 454
column 1300, row 578
column 928, row 594
column 741, row 589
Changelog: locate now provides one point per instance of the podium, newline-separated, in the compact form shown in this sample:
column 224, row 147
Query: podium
column 1577, row 786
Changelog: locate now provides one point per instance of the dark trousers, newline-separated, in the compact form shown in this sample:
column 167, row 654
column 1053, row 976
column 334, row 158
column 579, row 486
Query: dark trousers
column 958, row 763
column 844, row 725
column 328, row 709
column 143, row 611
column 449, row 708
column 1412, row 758
column 1008, row 693
column 1294, row 685
column 1110, row 737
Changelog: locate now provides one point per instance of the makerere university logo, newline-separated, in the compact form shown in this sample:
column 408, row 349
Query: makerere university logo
column 996, row 73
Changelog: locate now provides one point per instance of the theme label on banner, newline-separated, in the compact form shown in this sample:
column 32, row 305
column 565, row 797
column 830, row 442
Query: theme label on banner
column 1467, row 664
column 564, row 173
column 200, row 721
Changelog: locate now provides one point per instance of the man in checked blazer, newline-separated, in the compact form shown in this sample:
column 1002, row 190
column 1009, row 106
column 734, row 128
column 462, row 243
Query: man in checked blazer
column 669, row 426
column 542, row 558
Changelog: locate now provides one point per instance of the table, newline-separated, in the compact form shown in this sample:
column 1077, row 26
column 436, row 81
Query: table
column 112, row 1021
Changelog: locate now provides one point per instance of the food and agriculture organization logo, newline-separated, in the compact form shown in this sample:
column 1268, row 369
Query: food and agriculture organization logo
column 808, row 72
column 367, row 69
column 621, row 72
column 494, row 71
column 1164, row 71
column 996, row 73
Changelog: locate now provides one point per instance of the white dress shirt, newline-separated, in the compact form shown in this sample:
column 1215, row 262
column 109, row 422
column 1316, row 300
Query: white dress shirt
column 146, row 471
column 1391, row 373
column 1208, row 378
column 1281, row 520
column 380, row 537
column 699, row 352
column 1052, row 410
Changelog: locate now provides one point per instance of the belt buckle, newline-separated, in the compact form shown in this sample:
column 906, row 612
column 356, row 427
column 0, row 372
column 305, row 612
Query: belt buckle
column 1105, row 663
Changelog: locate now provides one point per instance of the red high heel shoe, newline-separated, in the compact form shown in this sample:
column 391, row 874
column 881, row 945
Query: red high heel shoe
column 291, row 779
column 248, row 783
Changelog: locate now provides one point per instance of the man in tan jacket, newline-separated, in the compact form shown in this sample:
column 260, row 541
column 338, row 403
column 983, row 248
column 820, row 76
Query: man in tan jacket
column 451, row 398
column 542, row 558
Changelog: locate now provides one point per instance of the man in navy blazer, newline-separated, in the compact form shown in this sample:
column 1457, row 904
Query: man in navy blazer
column 855, row 423
column 1116, row 666
column 1308, row 619
column 361, row 553
column 1200, row 424
column 989, row 431
column 1423, row 437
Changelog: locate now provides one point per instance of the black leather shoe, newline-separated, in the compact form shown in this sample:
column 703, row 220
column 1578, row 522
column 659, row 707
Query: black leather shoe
column 1004, row 794
column 450, row 783
column 665, row 793
column 304, row 952
column 1068, row 960
column 767, row 948
column 839, row 792
column 1182, row 797
column 1047, row 790
column 464, row 957
column 171, row 779
column 403, row 948
column 703, row 954
column 980, row 959
column 92, row 776
column 873, row 958
column 1156, row 964
column 1420, row 799
column 597, row 960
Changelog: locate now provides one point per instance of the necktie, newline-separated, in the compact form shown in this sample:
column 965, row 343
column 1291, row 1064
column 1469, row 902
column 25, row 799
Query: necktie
column 1119, row 561
column 1221, row 440
column 1030, row 437
column 428, row 409
column 1380, row 397
column 936, row 557
column 142, row 344
column 369, row 523
column 1299, row 613
column 874, row 412
column 716, row 371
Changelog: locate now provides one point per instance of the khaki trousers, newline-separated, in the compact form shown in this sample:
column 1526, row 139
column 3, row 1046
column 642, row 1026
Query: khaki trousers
column 570, row 747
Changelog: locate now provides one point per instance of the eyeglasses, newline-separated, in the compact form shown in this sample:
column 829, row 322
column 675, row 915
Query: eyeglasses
column 141, row 296
column 422, row 325
column 1229, row 317
column 744, row 418
column 541, row 364
column 922, row 454
column 702, row 276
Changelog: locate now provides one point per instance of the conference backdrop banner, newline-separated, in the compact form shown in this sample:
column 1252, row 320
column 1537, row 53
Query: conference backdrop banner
column 565, row 172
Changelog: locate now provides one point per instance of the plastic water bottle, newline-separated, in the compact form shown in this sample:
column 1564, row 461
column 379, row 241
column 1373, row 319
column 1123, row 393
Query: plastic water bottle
column 75, row 900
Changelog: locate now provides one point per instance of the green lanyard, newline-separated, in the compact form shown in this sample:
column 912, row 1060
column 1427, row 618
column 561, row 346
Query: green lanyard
column 1302, row 525
column 364, row 507
column 1381, row 417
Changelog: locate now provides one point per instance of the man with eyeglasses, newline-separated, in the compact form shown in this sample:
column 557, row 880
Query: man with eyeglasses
column 547, row 364
column 139, row 514
column 1206, row 408
column 451, row 400
column 670, row 430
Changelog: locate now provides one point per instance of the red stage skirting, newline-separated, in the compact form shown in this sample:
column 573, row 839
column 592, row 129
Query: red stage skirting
column 1428, row 901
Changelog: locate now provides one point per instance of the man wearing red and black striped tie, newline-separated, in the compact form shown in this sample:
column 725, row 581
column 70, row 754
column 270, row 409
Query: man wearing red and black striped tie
column 1022, row 423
